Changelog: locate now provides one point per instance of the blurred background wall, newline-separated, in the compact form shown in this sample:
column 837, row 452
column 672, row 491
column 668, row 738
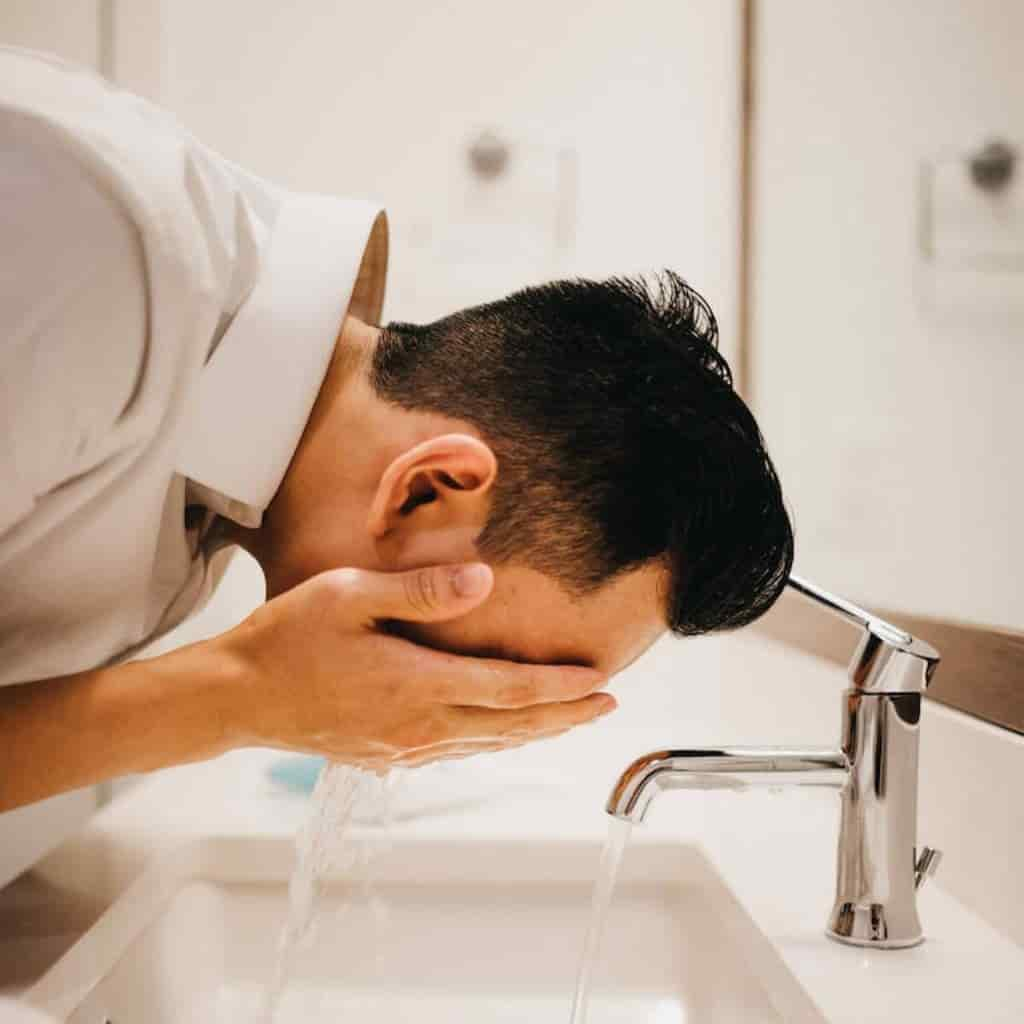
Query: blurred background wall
column 887, row 307
column 621, row 123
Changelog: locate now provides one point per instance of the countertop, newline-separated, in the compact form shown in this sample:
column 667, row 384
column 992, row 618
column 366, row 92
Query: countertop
column 774, row 851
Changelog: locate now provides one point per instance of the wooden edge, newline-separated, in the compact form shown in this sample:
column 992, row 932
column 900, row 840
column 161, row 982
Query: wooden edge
column 982, row 668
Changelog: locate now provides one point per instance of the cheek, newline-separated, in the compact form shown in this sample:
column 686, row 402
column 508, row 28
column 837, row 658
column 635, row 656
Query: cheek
column 439, row 545
column 467, row 633
column 486, row 631
column 314, row 549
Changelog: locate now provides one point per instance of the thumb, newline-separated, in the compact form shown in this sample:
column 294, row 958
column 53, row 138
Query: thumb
column 430, row 594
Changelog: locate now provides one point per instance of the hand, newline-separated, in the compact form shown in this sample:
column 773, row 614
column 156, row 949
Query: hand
column 320, row 674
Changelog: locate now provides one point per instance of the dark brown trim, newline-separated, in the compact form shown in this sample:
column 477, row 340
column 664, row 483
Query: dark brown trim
column 744, row 357
column 982, row 668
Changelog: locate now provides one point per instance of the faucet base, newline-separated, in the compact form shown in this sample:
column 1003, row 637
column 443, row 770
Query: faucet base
column 869, row 925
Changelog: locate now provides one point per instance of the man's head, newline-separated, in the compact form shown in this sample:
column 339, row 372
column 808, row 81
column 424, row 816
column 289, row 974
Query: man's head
column 583, row 437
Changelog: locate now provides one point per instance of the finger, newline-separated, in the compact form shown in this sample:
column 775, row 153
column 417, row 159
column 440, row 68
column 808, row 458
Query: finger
column 460, row 681
column 453, row 745
column 524, row 724
column 457, row 750
column 430, row 594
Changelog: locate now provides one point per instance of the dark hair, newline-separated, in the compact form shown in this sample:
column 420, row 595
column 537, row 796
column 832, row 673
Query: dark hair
column 620, row 440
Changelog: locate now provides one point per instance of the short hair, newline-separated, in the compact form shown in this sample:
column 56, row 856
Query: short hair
column 619, row 437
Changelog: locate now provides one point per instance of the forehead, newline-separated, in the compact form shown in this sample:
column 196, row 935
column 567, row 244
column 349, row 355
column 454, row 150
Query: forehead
column 529, row 617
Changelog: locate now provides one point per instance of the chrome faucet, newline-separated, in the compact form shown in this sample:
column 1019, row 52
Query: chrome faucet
column 878, row 869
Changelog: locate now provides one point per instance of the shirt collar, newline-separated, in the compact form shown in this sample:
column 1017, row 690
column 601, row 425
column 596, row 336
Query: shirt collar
column 325, row 257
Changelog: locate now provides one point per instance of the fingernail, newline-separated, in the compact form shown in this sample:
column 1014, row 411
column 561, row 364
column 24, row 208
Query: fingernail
column 609, row 706
column 471, row 580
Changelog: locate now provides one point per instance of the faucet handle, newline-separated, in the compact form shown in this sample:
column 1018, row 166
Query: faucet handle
column 926, row 865
column 887, row 659
column 880, row 667
column 852, row 613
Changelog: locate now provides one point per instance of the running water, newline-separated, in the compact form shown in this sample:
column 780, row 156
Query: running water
column 321, row 848
column 614, row 847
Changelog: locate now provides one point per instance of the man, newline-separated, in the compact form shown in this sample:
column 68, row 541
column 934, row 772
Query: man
column 465, row 527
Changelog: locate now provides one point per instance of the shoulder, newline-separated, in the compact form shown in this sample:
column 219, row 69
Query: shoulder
column 73, row 308
column 136, row 153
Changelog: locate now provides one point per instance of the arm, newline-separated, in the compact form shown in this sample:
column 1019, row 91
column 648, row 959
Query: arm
column 311, row 671
column 113, row 721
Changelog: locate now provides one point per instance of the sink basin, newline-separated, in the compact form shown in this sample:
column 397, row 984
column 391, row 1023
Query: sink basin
column 448, row 931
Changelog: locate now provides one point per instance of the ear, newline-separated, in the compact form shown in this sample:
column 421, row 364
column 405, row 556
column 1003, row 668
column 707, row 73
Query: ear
column 442, row 483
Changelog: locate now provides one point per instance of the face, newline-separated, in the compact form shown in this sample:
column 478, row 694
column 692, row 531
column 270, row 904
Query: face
column 530, row 618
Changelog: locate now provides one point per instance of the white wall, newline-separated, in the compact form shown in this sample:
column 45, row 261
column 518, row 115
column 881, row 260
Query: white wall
column 380, row 99
column 69, row 28
column 897, row 427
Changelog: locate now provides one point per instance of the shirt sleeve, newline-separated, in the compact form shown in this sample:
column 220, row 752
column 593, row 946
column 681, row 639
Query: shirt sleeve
column 73, row 315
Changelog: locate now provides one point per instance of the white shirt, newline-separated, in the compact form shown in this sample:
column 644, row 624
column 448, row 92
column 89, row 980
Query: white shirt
column 166, row 320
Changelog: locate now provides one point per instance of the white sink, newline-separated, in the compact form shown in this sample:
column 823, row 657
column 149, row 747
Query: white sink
column 449, row 931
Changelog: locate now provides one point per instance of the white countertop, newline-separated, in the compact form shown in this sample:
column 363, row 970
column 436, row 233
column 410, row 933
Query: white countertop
column 776, row 853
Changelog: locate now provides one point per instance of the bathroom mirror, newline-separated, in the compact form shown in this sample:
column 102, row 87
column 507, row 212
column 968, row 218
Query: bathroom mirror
column 888, row 382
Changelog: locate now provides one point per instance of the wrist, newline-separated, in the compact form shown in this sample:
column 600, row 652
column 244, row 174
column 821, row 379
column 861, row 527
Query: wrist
column 206, row 683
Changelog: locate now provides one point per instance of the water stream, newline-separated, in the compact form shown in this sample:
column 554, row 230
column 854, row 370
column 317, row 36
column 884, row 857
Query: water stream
column 611, row 857
column 321, row 847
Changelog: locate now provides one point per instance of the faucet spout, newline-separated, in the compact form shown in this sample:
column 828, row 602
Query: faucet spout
column 731, row 768
column 878, row 865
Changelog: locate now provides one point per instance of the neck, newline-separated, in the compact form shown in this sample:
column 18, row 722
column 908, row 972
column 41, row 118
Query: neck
column 335, row 415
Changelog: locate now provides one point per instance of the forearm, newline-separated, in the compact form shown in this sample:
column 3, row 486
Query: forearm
column 63, row 733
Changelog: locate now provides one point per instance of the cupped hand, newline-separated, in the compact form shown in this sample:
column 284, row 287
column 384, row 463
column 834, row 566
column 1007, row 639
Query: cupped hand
column 320, row 672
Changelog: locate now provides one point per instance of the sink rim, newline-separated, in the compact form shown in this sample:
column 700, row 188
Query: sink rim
column 230, row 859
